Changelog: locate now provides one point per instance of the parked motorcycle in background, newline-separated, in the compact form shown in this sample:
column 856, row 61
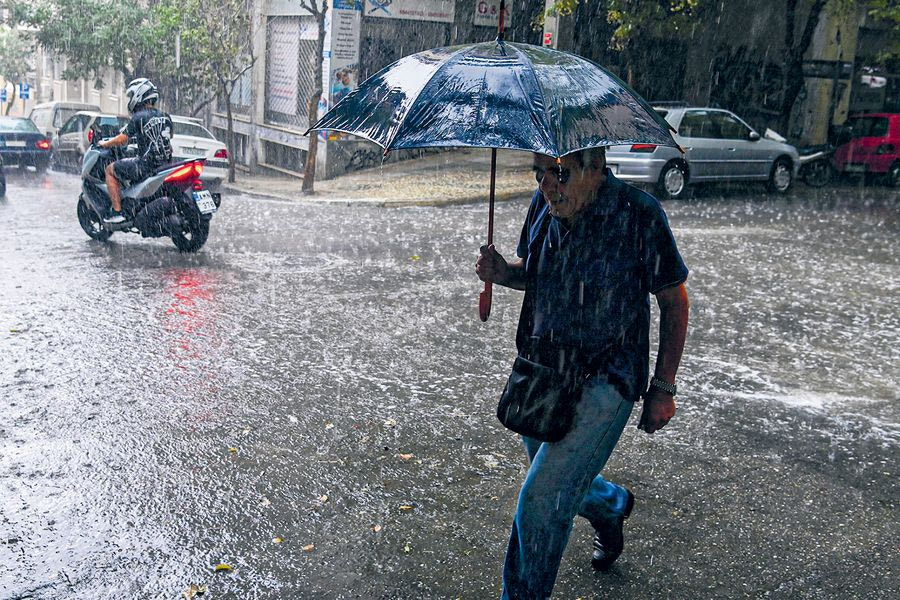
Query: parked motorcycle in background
column 170, row 203
column 816, row 168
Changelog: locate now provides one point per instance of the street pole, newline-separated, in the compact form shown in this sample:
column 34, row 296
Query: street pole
column 177, row 65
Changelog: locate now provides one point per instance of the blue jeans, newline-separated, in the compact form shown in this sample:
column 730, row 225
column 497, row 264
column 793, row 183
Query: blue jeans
column 563, row 481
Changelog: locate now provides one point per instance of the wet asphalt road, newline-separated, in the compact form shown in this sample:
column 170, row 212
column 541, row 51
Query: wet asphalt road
column 319, row 374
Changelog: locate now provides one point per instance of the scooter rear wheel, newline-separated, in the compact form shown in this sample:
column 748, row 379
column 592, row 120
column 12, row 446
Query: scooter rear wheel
column 90, row 222
column 193, row 235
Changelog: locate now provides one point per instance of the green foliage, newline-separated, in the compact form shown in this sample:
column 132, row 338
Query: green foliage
column 15, row 49
column 888, row 11
column 636, row 17
column 655, row 18
column 139, row 39
column 94, row 34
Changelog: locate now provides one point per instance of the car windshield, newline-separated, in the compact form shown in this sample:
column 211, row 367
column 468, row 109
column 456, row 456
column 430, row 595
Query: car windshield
column 869, row 127
column 192, row 129
column 113, row 121
column 18, row 125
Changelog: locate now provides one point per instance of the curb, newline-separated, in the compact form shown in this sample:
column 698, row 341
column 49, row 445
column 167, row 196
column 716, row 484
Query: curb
column 499, row 196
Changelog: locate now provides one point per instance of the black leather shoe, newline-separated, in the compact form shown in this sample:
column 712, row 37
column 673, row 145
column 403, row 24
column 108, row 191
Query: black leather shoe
column 609, row 541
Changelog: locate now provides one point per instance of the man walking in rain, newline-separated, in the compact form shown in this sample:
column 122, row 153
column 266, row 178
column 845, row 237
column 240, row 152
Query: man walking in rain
column 591, row 251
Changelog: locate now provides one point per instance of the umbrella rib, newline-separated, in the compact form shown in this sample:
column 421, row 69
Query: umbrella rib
column 540, row 90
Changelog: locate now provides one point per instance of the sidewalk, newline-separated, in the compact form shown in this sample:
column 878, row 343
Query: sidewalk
column 454, row 177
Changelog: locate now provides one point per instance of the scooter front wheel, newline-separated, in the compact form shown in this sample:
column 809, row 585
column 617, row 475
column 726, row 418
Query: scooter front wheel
column 90, row 222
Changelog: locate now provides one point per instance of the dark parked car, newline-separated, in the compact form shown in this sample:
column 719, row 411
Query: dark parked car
column 23, row 145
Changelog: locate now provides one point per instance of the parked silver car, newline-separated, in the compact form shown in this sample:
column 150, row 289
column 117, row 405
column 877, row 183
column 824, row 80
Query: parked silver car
column 74, row 138
column 718, row 145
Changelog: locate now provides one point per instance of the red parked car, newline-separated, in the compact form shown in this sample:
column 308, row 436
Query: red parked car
column 873, row 147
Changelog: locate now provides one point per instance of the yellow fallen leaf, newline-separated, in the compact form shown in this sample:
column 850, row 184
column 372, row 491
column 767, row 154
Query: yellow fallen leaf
column 390, row 423
column 329, row 425
column 323, row 498
column 415, row 257
column 222, row 567
column 406, row 507
column 405, row 456
column 309, row 547
column 377, row 528
column 232, row 450
column 406, row 548
column 277, row 540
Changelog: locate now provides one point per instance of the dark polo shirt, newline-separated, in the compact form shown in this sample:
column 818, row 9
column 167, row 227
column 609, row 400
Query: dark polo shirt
column 589, row 287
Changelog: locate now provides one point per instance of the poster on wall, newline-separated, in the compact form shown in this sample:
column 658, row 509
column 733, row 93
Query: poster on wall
column 487, row 14
column 282, row 64
column 344, row 68
column 440, row 11
column 343, row 59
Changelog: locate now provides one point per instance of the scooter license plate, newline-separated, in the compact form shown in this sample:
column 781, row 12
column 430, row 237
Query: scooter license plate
column 205, row 202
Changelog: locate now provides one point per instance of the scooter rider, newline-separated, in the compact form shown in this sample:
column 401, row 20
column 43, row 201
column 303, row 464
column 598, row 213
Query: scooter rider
column 152, row 129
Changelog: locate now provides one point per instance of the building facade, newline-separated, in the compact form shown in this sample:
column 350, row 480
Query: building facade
column 270, row 104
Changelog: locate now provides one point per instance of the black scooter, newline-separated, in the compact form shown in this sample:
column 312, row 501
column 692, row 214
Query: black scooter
column 169, row 203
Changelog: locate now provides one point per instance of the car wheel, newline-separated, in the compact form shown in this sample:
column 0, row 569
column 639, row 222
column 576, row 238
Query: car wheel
column 781, row 178
column 2, row 186
column 893, row 175
column 672, row 182
column 90, row 222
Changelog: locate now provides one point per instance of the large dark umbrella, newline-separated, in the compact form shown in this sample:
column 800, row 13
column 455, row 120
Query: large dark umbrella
column 496, row 95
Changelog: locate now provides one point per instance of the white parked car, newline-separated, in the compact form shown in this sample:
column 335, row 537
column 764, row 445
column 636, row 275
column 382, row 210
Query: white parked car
column 190, row 139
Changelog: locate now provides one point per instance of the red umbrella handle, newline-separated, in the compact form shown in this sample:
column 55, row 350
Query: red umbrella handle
column 484, row 300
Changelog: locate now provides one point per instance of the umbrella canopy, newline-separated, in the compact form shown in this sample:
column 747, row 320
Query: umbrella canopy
column 497, row 95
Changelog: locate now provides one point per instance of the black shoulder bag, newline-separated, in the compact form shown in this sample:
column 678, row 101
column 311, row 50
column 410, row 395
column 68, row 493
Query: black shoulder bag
column 539, row 400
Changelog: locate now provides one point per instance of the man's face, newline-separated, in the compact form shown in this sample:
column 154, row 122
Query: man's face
column 568, row 198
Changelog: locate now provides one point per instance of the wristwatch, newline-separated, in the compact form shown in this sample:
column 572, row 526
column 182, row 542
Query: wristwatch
column 663, row 385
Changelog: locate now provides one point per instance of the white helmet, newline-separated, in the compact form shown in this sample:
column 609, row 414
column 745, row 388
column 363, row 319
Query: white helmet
column 140, row 91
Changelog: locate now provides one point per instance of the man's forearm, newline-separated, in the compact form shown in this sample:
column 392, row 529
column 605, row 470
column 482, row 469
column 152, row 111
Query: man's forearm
column 674, row 308
column 515, row 276
column 119, row 140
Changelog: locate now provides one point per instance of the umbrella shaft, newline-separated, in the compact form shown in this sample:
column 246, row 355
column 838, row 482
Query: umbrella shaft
column 490, row 236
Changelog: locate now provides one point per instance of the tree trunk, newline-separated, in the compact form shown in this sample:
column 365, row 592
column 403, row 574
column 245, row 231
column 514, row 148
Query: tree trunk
column 309, row 167
column 229, row 136
column 12, row 100
column 793, row 63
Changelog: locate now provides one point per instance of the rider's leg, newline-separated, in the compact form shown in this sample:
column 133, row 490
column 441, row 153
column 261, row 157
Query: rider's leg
column 114, row 188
